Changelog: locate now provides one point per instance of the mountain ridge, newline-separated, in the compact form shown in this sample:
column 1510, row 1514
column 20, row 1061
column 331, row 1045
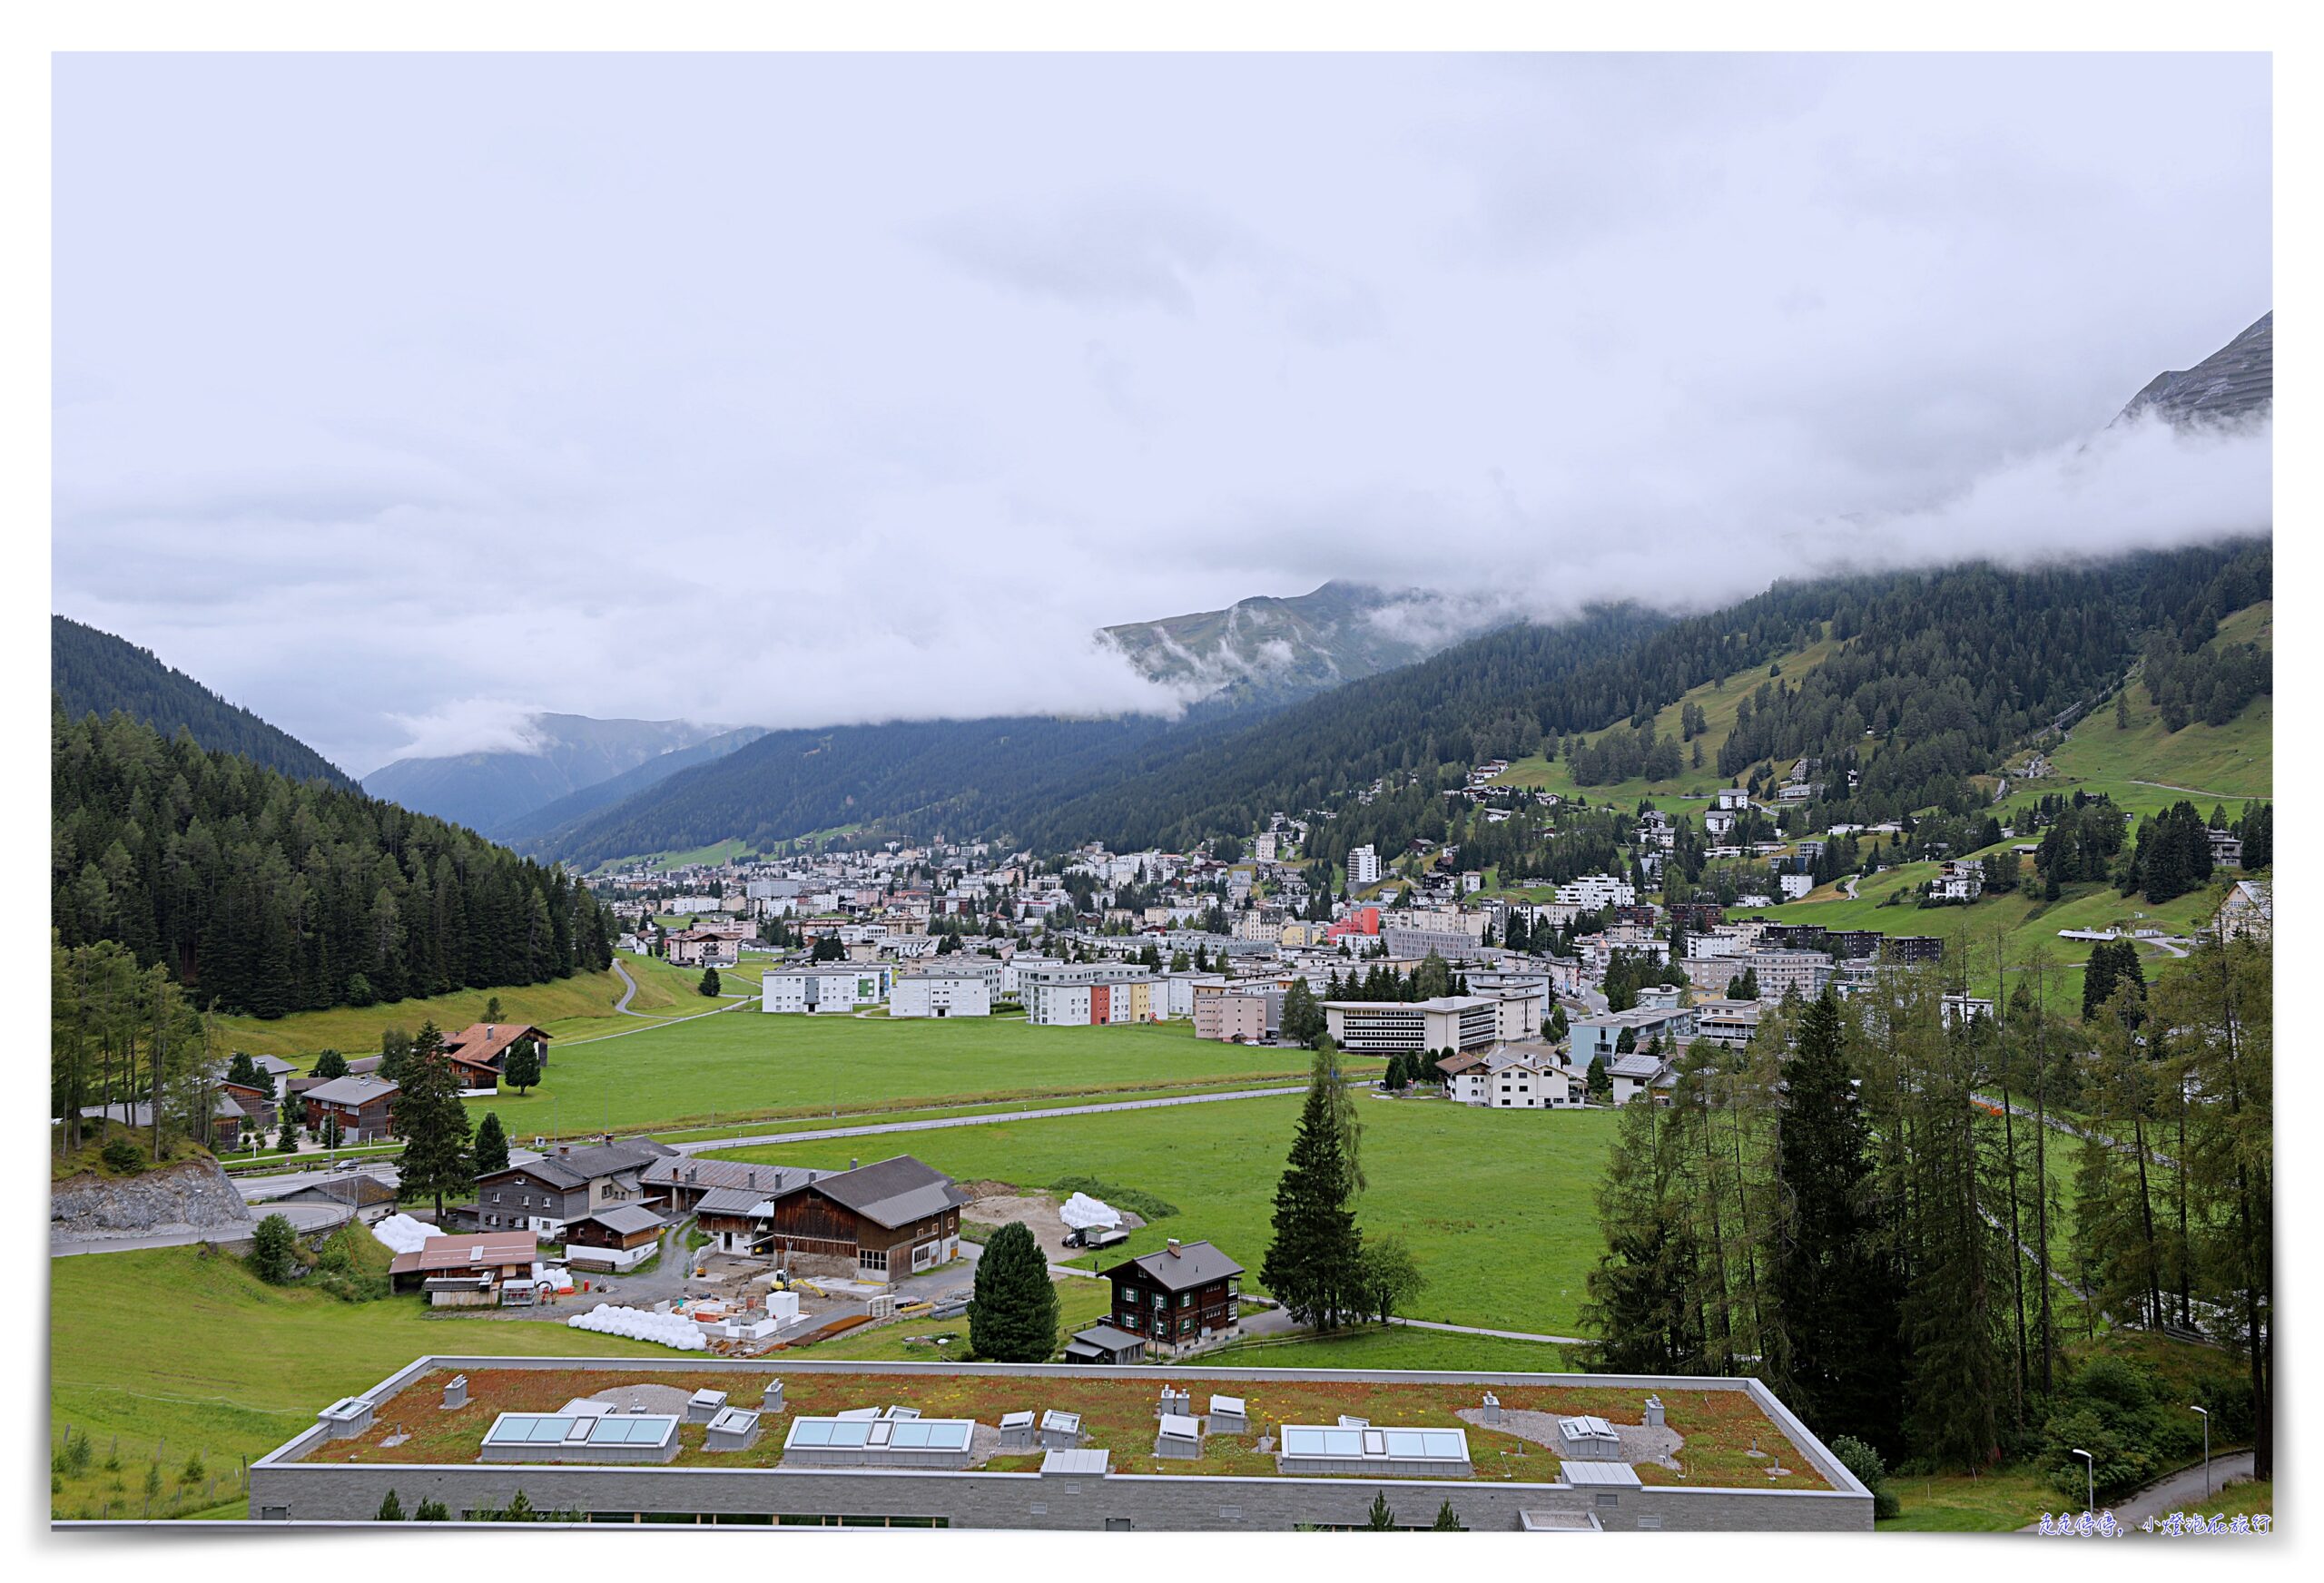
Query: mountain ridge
column 93, row 672
column 486, row 790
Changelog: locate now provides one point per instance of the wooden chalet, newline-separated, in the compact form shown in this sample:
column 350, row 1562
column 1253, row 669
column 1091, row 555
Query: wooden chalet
column 1189, row 1294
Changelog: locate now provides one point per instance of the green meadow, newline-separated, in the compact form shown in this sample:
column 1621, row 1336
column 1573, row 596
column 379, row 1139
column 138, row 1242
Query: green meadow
column 1499, row 1208
column 747, row 1064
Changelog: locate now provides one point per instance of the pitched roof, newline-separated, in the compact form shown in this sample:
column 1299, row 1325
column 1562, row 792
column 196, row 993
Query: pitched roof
column 623, row 1218
column 470, row 1250
column 685, row 1171
column 893, row 1192
column 574, row 1167
column 1194, row 1265
column 353, row 1090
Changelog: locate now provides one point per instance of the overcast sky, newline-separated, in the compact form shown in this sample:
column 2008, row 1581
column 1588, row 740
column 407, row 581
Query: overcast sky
column 396, row 396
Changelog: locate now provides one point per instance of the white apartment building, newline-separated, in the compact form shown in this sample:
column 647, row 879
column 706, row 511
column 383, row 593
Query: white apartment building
column 1449, row 1022
column 1510, row 1079
column 939, row 993
column 1363, row 867
column 1782, row 971
column 1596, row 892
column 826, row 986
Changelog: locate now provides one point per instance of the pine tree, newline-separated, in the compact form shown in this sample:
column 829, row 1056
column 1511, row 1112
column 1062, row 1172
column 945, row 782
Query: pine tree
column 1598, row 1084
column 390, row 1509
column 329, row 1065
column 1303, row 1021
column 491, row 1144
column 522, row 1068
column 1012, row 1319
column 274, row 1251
column 492, row 1013
column 1641, row 1303
column 1311, row 1261
column 1834, row 1294
column 432, row 1511
column 437, row 1158
column 709, row 985
column 1380, row 1517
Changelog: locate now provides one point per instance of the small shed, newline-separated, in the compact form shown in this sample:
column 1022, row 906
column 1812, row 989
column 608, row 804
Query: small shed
column 1105, row 1343
column 1180, row 1436
column 1017, row 1431
column 1229, row 1415
column 736, row 1428
column 1060, row 1431
column 705, row 1405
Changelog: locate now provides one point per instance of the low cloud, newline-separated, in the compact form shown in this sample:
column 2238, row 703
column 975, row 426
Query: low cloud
column 673, row 432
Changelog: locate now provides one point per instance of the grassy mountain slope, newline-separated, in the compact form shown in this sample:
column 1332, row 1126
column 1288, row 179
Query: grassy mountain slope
column 2140, row 766
column 486, row 790
column 95, row 672
column 1715, row 699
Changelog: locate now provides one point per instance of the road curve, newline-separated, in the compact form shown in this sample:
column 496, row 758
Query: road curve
column 936, row 1124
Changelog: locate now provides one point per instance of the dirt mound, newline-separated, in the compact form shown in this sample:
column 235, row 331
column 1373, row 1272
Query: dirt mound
column 988, row 1189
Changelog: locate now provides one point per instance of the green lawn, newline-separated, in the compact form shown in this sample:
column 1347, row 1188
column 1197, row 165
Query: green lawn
column 1080, row 1305
column 1998, row 1501
column 1392, row 1347
column 748, row 1063
column 1498, row 1207
column 190, row 1353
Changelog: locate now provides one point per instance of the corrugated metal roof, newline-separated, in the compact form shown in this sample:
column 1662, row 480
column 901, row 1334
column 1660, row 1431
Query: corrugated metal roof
column 1620, row 1475
column 1088, row 1463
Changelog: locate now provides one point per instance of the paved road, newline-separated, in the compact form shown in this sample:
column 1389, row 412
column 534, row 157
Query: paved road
column 629, row 989
column 2180, row 1491
column 304, row 1218
column 937, row 1124
column 1507, row 1335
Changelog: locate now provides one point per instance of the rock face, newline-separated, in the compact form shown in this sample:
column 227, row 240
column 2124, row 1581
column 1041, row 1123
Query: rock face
column 192, row 1197
column 2235, row 382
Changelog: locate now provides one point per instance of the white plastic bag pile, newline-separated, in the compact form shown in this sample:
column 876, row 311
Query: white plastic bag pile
column 639, row 1324
column 404, row 1235
column 553, row 1276
column 1082, row 1211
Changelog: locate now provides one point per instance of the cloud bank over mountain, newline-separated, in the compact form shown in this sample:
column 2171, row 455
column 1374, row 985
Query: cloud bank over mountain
column 824, row 389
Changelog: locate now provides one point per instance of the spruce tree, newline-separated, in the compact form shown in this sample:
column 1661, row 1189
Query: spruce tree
column 491, row 1144
column 1834, row 1291
column 1447, row 1522
column 437, row 1158
column 1012, row 1318
column 273, row 1250
column 1379, row 1518
column 1641, row 1305
column 709, row 985
column 390, row 1509
column 522, row 1068
column 329, row 1065
column 1311, row 1261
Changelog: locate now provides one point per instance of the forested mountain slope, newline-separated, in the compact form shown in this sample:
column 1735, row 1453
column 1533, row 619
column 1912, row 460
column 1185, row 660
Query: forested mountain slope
column 95, row 672
column 268, row 895
column 577, row 806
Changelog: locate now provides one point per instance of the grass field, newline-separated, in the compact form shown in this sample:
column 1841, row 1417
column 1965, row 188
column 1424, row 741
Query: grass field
column 747, row 1064
column 563, row 1007
column 1506, row 1236
column 192, row 1354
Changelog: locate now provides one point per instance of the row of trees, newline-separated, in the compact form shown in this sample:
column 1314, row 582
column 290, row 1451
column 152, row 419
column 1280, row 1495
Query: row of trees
column 126, row 1036
column 1861, row 1208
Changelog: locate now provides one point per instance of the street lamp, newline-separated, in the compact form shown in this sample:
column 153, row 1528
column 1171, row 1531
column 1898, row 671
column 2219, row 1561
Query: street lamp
column 2207, row 1448
column 2090, row 1472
